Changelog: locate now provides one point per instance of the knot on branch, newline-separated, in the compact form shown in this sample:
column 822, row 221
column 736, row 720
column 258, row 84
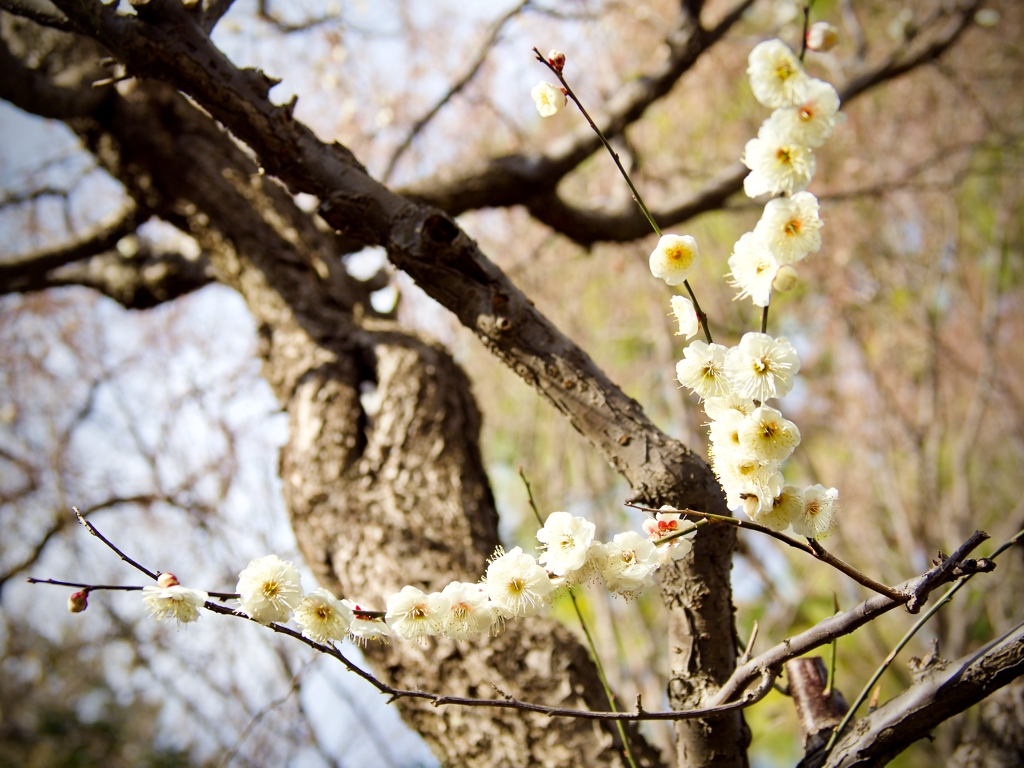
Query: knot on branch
column 260, row 80
column 946, row 569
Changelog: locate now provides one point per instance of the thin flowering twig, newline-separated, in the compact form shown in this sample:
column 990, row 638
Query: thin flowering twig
column 812, row 548
column 701, row 315
column 838, row 731
column 764, row 319
column 529, row 496
column 807, row 24
column 92, row 529
column 90, row 587
column 604, row 680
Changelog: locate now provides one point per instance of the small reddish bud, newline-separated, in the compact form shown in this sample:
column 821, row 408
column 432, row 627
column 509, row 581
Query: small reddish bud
column 78, row 601
column 165, row 580
column 556, row 59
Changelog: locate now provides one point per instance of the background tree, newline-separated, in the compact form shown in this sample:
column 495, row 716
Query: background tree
column 921, row 190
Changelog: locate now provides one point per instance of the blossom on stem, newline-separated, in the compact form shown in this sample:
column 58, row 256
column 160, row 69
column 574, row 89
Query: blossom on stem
column 565, row 541
column 412, row 613
column 666, row 523
column 718, row 407
column 324, row 619
column 785, row 279
column 812, row 120
column 787, row 506
column 790, row 227
column 174, row 602
column 516, row 584
column 556, row 59
column 777, row 77
column 818, row 516
column 761, row 367
column 767, row 436
column 628, row 562
column 777, row 165
column 822, row 36
column 686, row 316
column 78, row 601
column 702, row 369
column 269, row 589
column 469, row 611
column 752, row 269
column 363, row 629
column 674, row 258
column 549, row 98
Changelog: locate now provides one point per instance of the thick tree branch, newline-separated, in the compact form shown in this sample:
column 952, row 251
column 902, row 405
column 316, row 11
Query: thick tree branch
column 40, row 11
column 944, row 690
column 34, row 92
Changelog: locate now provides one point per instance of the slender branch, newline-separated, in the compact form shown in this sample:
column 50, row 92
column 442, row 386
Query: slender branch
column 90, row 587
column 845, row 623
column 93, row 530
column 492, row 38
column 812, row 547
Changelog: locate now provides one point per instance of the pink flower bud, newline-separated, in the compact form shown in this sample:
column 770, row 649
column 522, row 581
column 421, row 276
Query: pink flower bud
column 822, row 36
column 78, row 601
column 556, row 59
column 165, row 580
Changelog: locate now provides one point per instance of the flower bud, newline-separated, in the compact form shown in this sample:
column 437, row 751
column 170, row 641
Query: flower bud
column 166, row 580
column 556, row 59
column 78, row 601
column 822, row 36
column 549, row 98
column 785, row 279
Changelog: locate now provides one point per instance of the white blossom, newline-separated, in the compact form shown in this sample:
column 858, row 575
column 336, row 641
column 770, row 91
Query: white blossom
column 469, row 611
column 411, row 613
column 761, row 367
column 674, row 258
column 686, row 316
column 777, row 165
column 174, row 602
column 787, row 505
column 777, row 77
column 269, row 589
column 767, row 436
column 717, row 407
column 324, row 619
column 822, row 36
column 549, row 98
column 565, row 541
column 628, row 562
column 702, row 369
column 790, row 227
column 817, row 519
column 364, row 628
column 516, row 584
column 752, row 269
column 666, row 523
column 812, row 120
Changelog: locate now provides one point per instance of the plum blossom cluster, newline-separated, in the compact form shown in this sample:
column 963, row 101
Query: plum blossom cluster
column 749, row 439
column 516, row 584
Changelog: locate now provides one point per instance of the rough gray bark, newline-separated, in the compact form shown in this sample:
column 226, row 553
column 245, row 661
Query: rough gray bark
column 380, row 499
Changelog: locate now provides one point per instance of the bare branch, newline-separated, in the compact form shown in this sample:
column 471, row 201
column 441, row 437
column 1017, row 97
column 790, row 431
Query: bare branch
column 34, row 92
column 943, row 691
column 40, row 11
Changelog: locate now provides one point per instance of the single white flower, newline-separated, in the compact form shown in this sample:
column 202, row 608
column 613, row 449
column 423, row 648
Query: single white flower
column 777, row 77
column 363, row 628
column 822, row 36
column 628, row 562
column 810, row 122
column 674, row 258
column 566, row 540
column 549, row 98
column 790, row 227
column 412, row 613
column 768, row 436
column 717, row 407
column 761, row 367
column 174, row 602
column 752, row 269
column 469, row 611
column 324, row 619
column 755, row 497
column 777, row 165
column 516, row 584
column 786, row 507
column 666, row 523
column 269, row 589
column 724, row 438
column 686, row 316
column 702, row 369
column 818, row 517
